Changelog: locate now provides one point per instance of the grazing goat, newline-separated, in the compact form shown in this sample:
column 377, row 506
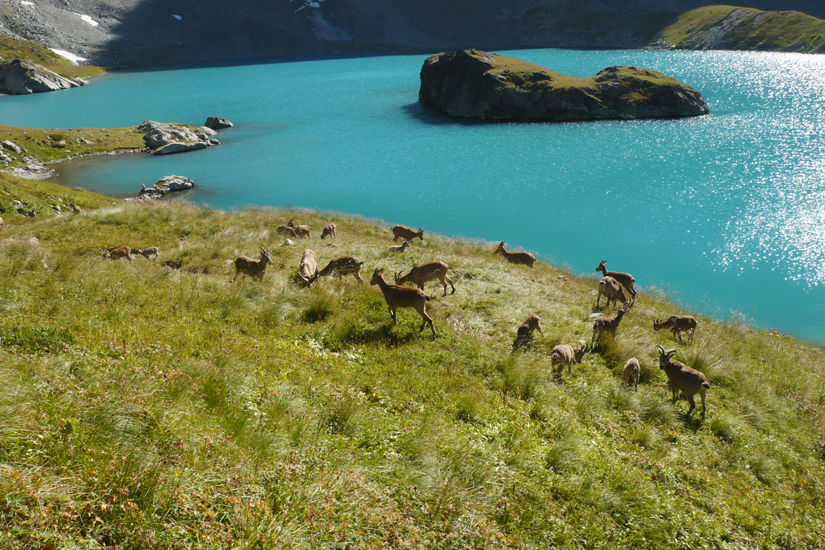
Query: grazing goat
column 399, row 296
column 613, row 290
column 625, row 279
column 607, row 324
column 329, row 231
column 519, row 258
column 565, row 354
column 308, row 270
column 119, row 252
column 151, row 252
column 254, row 268
column 75, row 208
column 631, row 371
column 408, row 233
column 678, row 324
column 345, row 265
column 286, row 230
column 689, row 381
column 300, row 230
column 524, row 332
column 421, row 273
column 400, row 247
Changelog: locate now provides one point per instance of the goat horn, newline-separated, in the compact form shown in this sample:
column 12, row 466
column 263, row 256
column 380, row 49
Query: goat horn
column 661, row 350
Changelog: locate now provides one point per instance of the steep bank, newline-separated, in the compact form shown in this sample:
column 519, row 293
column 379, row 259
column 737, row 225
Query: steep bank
column 123, row 33
column 734, row 28
column 153, row 403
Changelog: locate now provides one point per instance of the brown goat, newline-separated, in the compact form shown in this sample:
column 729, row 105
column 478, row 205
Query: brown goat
column 524, row 332
column 75, row 208
column 683, row 378
column 308, row 270
column 678, row 324
column 120, row 252
column 421, row 273
column 625, row 279
column 329, row 231
column 565, row 354
column 254, row 268
column 519, row 258
column 345, row 265
column 631, row 371
column 404, row 232
column 399, row 296
column 288, row 231
column 607, row 324
column 301, row 231
column 613, row 290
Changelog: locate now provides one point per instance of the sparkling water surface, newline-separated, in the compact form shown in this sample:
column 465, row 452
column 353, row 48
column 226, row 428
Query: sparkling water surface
column 725, row 212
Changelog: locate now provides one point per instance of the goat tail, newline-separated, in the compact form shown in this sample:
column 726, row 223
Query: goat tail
column 427, row 298
column 706, row 385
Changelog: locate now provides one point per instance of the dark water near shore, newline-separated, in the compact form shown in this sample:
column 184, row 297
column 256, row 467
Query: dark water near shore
column 727, row 211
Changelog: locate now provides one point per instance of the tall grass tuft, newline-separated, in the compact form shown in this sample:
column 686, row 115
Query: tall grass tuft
column 319, row 306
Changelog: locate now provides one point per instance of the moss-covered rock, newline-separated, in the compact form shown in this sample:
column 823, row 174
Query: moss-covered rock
column 476, row 84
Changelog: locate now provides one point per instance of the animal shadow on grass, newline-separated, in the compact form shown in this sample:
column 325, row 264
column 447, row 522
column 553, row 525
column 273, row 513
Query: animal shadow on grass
column 356, row 333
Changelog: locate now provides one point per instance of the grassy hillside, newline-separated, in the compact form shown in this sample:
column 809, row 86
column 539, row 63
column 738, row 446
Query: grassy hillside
column 154, row 404
column 733, row 28
column 15, row 48
column 47, row 145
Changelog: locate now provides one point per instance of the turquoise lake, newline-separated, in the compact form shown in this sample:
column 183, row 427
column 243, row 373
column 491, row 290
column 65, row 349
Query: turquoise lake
column 725, row 212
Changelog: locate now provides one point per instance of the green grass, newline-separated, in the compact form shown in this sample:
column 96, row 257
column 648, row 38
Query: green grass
column 15, row 48
column 784, row 31
column 169, row 408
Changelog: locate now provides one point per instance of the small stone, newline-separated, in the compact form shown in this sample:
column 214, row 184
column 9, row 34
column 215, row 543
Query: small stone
column 217, row 123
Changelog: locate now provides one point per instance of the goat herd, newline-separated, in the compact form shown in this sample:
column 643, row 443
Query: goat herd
column 612, row 285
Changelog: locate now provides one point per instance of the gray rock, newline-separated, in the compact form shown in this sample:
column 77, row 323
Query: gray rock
column 21, row 77
column 177, row 147
column 205, row 133
column 217, row 123
column 11, row 146
column 164, row 186
column 171, row 184
column 476, row 84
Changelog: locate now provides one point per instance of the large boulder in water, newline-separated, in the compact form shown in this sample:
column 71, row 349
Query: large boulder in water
column 472, row 83
column 21, row 77
column 167, row 138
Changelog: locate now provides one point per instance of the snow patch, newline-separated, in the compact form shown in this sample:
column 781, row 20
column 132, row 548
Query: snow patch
column 75, row 59
column 178, row 17
column 308, row 4
column 87, row 18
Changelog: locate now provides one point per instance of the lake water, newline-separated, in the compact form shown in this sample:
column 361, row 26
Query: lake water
column 726, row 212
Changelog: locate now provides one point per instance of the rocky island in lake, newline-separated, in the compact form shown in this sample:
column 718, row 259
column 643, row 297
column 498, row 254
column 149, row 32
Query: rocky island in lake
column 476, row 84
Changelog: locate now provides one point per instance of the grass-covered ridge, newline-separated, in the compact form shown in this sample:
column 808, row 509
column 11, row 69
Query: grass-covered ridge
column 49, row 145
column 735, row 28
column 145, row 406
column 26, row 50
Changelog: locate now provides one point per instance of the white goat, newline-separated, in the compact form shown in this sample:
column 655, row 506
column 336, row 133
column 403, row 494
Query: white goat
column 631, row 371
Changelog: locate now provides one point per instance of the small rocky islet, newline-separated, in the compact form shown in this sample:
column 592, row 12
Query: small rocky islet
column 477, row 84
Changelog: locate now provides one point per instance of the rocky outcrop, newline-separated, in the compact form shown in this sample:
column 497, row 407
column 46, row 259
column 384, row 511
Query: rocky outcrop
column 476, row 84
column 166, row 139
column 164, row 186
column 20, row 78
column 217, row 123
